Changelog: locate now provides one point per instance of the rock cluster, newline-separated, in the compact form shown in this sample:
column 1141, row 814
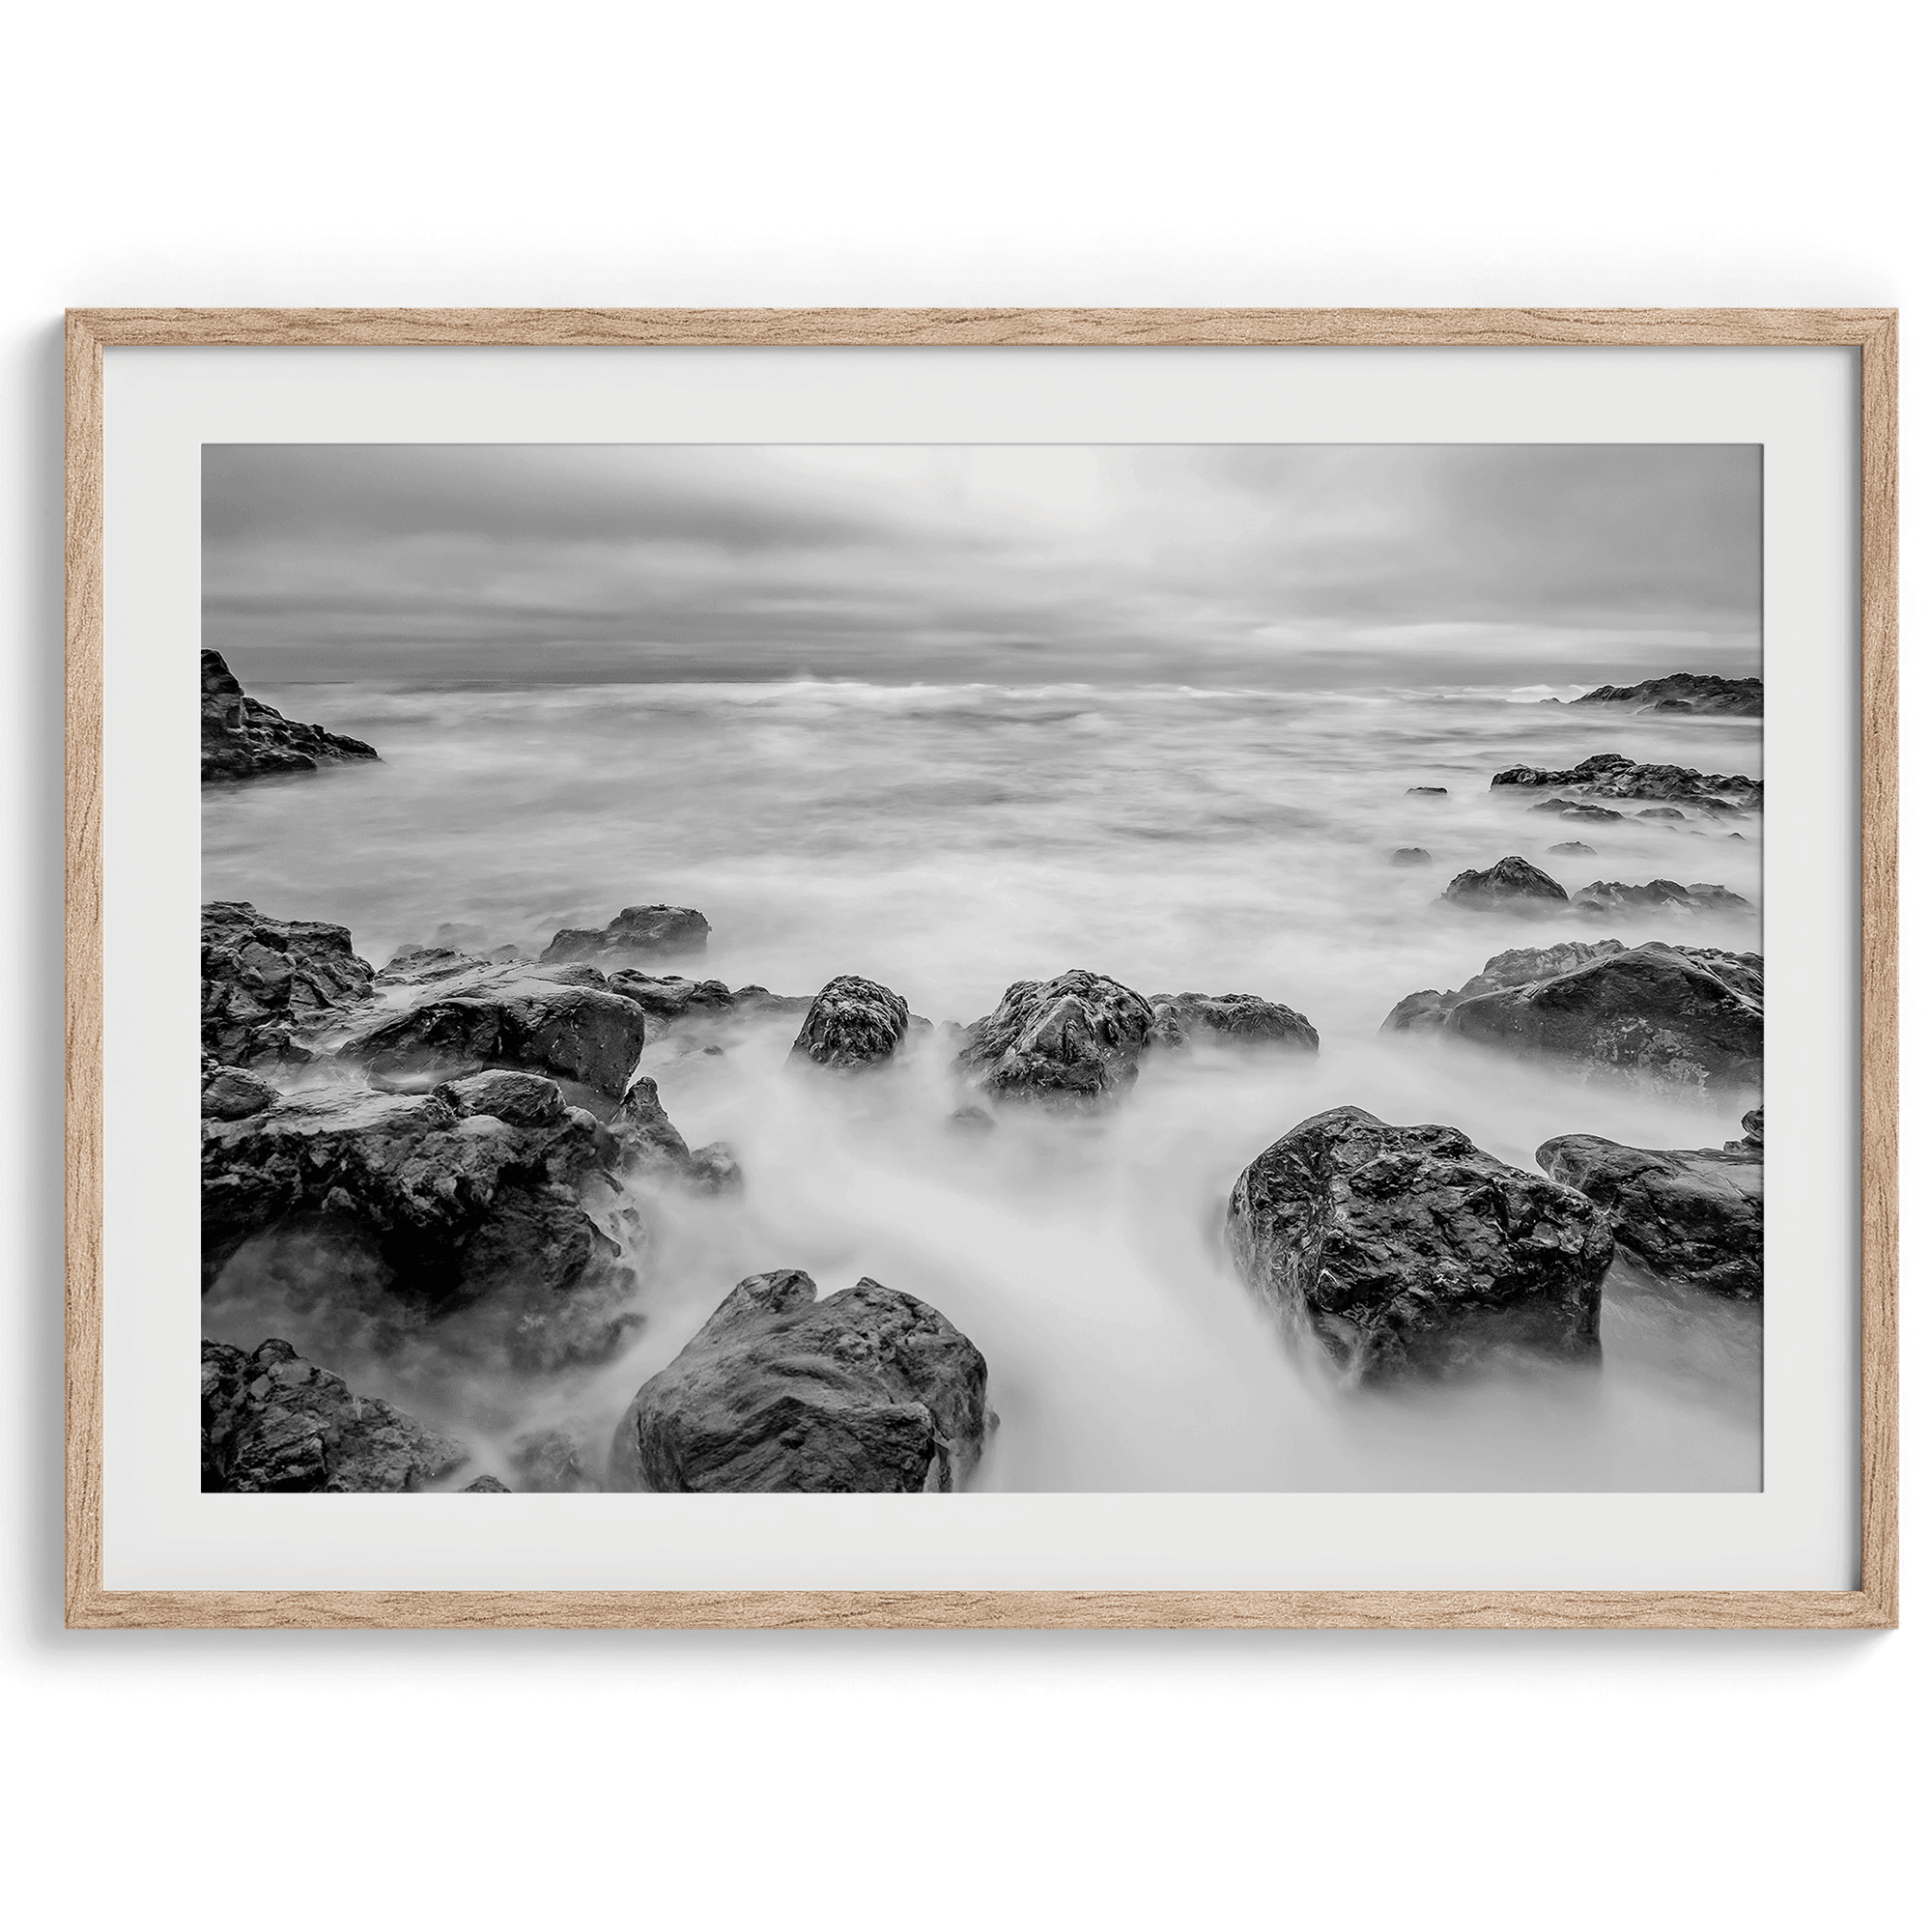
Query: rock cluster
column 1694, row 1217
column 1609, row 897
column 637, row 932
column 243, row 738
column 1611, row 775
column 274, row 1424
column 868, row 1390
column 1685, row 691
column 267, row 985
column 852, row 1024
column 1409, row 1251
column 1072, row 1042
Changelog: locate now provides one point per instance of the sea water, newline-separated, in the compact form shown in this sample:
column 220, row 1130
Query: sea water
column 949, row 840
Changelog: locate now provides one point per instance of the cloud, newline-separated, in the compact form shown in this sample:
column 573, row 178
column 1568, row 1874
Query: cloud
column 1223, row 564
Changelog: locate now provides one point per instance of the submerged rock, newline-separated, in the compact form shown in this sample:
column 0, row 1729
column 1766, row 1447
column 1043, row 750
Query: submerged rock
column 1575, row 849
column 274, row 1424
column 1411, row 855
column 1694, row 1217
column 455, row 1207
column 1611, row 775
column 1609, row 897
column 1429, row 791
column 853, row 1023
column 581, row 1033
column 242, row 738
column 637, row 932
column 1685, row 692
column 1577, row 809
column 1073, row 1041
column 1409, row 1251
column 486, row 1485
column 268, row 985
column 1510, row 885
column 553, row 1461
column 1242, row 1019
column 868, row 1390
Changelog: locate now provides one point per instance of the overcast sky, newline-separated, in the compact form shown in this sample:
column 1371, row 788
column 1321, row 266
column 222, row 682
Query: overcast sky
column 1228, row 564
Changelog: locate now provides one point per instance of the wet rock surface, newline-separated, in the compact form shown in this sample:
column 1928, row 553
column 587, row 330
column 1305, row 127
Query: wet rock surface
column 649, row 1143
column 242, row 738
column 852, row 1024
column 581, row 1033
column 1510, row 885
column 1071, row 1041
column 1611, row 775
column 671, row 997
column 274, row 1424
column 637, row 932
column 1232, row 1019
column 1688, row 1215
column 1410, row 1252
column 868, row 1390
column 269, row 985
column 1686, row 692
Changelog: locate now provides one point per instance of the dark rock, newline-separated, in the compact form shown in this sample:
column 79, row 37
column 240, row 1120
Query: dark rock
column 486, row 1485
column 1243, row 1019
column 1685, row 692
column 1610, row 897
column 459, row 1211
column 1521, row 966
column 1754, row 1127
column 852, row 1024
column 1660, row 811
column 1510, row 885
column 673, row 998
column 272, row 1423
column 581, row 1033
column 1691, row 1216
column 1611, row 775
column 637, row 932
column 524, row 1099
column 1573, row 848
column 1670, row 1016
column 427, row 965
column 1409, row 1251
column 1420, row 1012
column 269, row 985
column 1577, row 809
column 1072, row 1042
column 553, row 1461
column 1411, row 855
column 243, row 738
column 1429, row 791
column 867, row 1390
column 651, row 1144
column 231, row 1094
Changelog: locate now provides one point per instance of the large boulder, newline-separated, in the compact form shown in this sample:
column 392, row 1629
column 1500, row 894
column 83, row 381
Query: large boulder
column 1073, row 1041
column 1694, row 1217
column 1510, row 885
column 1409, row 1251
column 1661, row 1015
column 867, row 1390
column 1235, row 1019
column 581, row 1033
column 451, row 1204
column 274, row 1424
column 243, row 738
column 1611, row 775
column 637, row 932
column 852, row 1024
column 1520, row 966
column 1685, row 691
column 269, row 985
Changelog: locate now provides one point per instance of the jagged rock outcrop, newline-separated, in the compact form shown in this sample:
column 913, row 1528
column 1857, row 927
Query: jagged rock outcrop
column 672, row 997
column 230, row 1094
column 454, row 1205
column 1235, row 1019
column 868, row 1390
column 243, row 738
column 1072, row 1042
column 274, row 1424
column 532, row 1023
column 851, row 1025
column 1661, row 1015
column 268, row 985
column 637, row 932
column 1688, row 1215
column 1510, row 885
column 1685, row 691
column 1411, row 1252
column 1610, row 898
column 649, row 1143
column 1611, row 775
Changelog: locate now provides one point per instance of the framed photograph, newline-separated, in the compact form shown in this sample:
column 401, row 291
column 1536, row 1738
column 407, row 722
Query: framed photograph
column 1023, row 968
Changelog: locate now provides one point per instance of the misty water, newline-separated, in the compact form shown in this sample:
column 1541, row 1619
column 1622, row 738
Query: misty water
column 949, row 841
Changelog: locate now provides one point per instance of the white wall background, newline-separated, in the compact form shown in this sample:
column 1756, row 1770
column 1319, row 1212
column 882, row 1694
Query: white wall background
column 885, row 154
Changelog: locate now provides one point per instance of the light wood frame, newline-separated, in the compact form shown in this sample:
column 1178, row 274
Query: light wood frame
column 1874, row 332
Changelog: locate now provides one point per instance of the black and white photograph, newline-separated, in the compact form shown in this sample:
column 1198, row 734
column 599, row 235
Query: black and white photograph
column 982, row 968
